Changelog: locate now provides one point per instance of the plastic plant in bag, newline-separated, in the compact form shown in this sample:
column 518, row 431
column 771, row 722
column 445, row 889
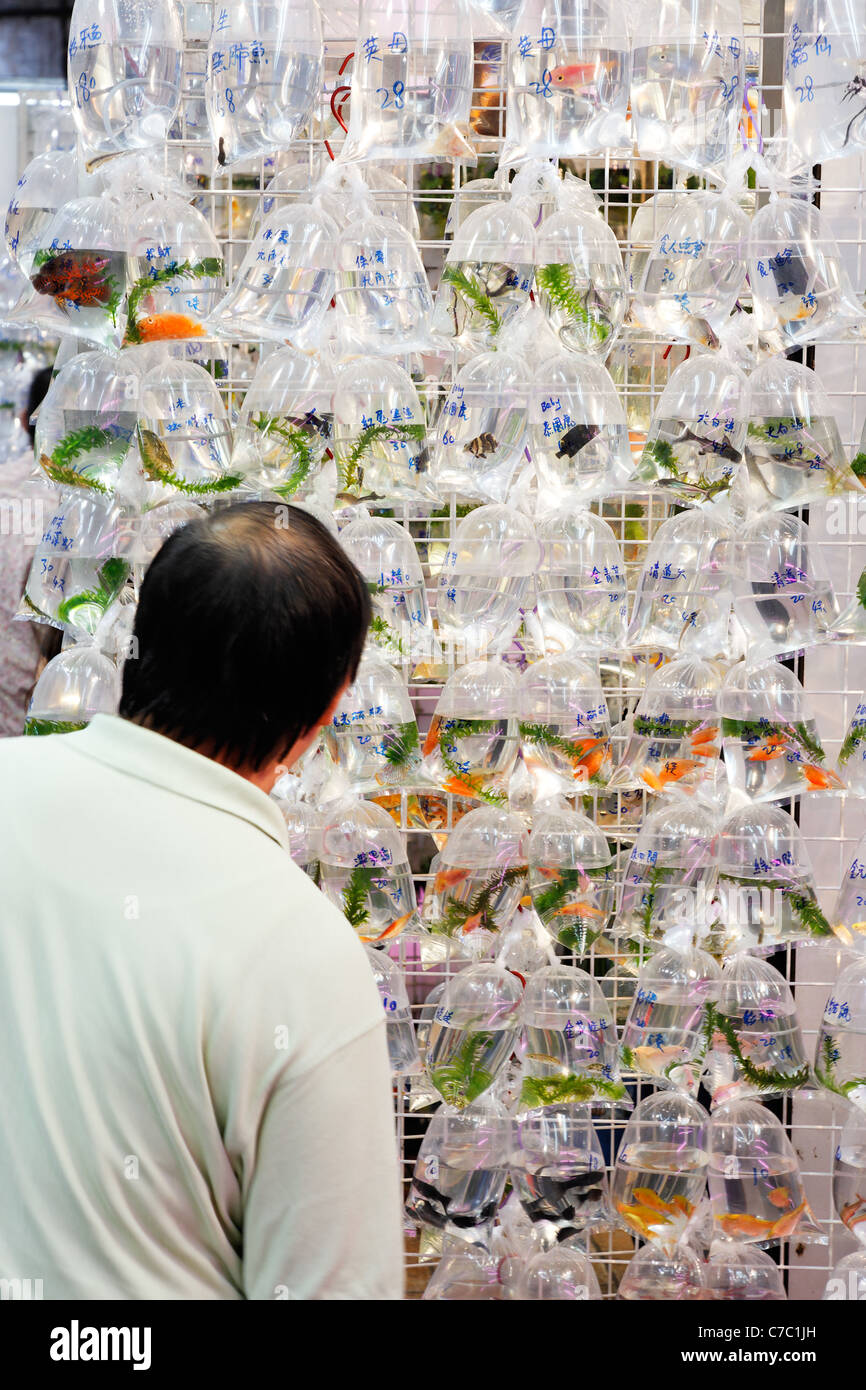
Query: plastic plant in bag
column 766, row 883
column 481, row 878
column 364, row 869
column 460, row 1172
column 481, row 430
column 793, row 448
column 756, row 1048
column 124, row 73
column 183, row 432
column 73, row 687
column 77, row 572
column 80, row 272
column 783, row 596
column 840, row 1063
column 471, row 744
column 665, row 1035
column 570, row 875
column 48, row 181
column 487, row 277
column 563, row 1274
column 286, row 282
column 674, row 744
column 558, row 1170
column 669, row 882
column 660, row 1172
column 849, row 1177
column 695, row 270
column 800, row 287
column 176, row 271
column 568, row 80
column 580, row 281
column 564, row 726
column 770, row 737
column 754, row 1179
column 411, row 81
column 697, row 437
column 391, row 983
column 652, row 1275
column 581, row 584
column 578, row 433
column 265, row 68
column 373, row 736
column 285, row 424
column 385, row 554
column 687, row 82
column 743, row 1273
column 824, row 91
column 383, row 298
column 87, row 421
column 685, row 589
column 379, row 432
column 473, row 1033
column 571, row 1052
column 485, row 578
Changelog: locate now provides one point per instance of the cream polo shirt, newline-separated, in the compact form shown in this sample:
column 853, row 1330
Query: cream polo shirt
column 195, row 1097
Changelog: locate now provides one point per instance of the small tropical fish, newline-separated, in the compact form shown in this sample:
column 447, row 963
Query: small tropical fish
column 818, row 779
column 472, row 923
column 764, row 755
column 156, row 328
column 221, row 152
column 545, row 1057
column 155, row 458
column 393, row 930
column 432, row 736
column 481, row 446
column 655, row 1059
column 780, row 1197
column 525, row 901
column 743, row 1224
column 787, row 1224
column 546, row 872
column 675, row 769
column 448, row 878
column 849, row 1212
column 579, row 910
column 352, row 499
column 705, row 735
column 723, row 450
column 576, row 439
column 451, row 143
column 651, row 780
column 71, row 277
column 648, row 1198
column 576, row 75
column 457, row 787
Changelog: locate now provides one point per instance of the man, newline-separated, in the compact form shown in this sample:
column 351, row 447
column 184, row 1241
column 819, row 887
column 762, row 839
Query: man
column 193, row 1064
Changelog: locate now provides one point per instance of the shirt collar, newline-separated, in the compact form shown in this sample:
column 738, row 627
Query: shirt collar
column 154, row 758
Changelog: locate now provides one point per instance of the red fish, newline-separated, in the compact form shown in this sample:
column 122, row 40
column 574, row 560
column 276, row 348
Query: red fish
column 576, row 75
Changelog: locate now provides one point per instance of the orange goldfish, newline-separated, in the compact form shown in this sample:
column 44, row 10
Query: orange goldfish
column 765, row 755
column 818, row 779
column 787, row 1224
column 647, row 1198
column 459, row 788
column 675, row 769
column 472, row 923
column 579, row 910
column 780, row 1197
column 651, row 780
column 393, row 930
column 735, row 1223
column 448, row 878
column 849, row 1212
column 432, row 736
column 156, row 327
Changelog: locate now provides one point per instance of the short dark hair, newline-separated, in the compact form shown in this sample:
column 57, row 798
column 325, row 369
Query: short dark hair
column 249, row 622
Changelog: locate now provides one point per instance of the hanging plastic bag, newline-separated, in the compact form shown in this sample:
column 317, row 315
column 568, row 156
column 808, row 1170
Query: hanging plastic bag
column 411, row 81
column 754, row 1179
column 461, row 1170
column 800, row 288
column 580, row 281
column 824, row 90
column 568, row 80
column 285, row 285
column 581, row 584
column 87, row 421
column 756, row 1047
column 563, row 1273
column 265, row 69
column 564, row 726
column 674, row 747
column 77, row 570
column 481, row 879
column 766, row 883
column 695, row 271
column 742, row 1273
column 652, row 1275
column 685, row 589
column 48, row 181
column 578, row 432
column 558, row 1170
column 471, row 745
column 849, row 1177
column 694, row 449
column 485, row 578
column 571, row 880
column 285, row 424
column 124, row 73
column 473, row 1033
column 481, row 430
column 784, row 599
column 670, row 877
column 379, row 432
column 364, row 869
column 383, row 298
column 183, row 435
column 391, row 983
column 385, row 554
column 571, row 1051
column 372, row 736
column 176, row 271
column 660, row 1172
column 487, row 277
column 664, row 1036
column 73, row 687
column 80, row 273
column 687, row 82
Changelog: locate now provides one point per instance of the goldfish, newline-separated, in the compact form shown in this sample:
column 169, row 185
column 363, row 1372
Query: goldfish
column 472, row 923
column 579, row 910
column 157, row 327
column 432, row 736
column 705, row 735
column 458, row 787
column 655, row 1059
column 546, row 872
column 651, row 780
column 735, row 1223
column 780, row 1197
column 765, row 754
column 576, row 75
column 647, row 1198
column 818, row 779
column 448, row 878
column 393, row 930
column 675, row 769
column 849, row 1212
column 525, row 901
column 787, row 1224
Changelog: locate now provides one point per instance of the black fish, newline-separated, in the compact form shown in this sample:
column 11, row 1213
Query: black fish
column 576, row 439
column 221, row 154
column 481, row 446
column 317, row 423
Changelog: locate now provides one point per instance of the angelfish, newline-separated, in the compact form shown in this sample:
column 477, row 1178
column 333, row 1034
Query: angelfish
column 576, row 439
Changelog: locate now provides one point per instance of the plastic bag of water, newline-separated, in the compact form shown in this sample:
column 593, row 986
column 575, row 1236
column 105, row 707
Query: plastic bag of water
column 743, row 1273
column 391, row 983
column 766, row 884
column 481, row 878
column 265, row 69
column 176, row 271
column 570, row 1056
column 125, row 61
column 558, row 1171
column 685, row 590
column 848, row 918
column 487, row 277
column 674, row 746
column 754, row 1179
column 372, row 735
column 770, row 736
column 364, row 869
column 383, row 298
column 652, row 1274
column 485, row 578
column 824, row 90
column 81, row 272
column 386, row 555
column 183, row 434
column 481, row 431
column 784, row 599
column 694, row 449
column 461, row 1170
column 78, row 569
column 474, row 1031
column 571, row 881
column 580, row 280
column 660, row 1172
column 471, row 744
column 577, row 432
column 563, row 1274
column 564, row 726
column 756, row 1047
column 73, row 687
column 668, row 887
column 581, row 584
column 839, row 1057
column 664, row 1036
column 285, row 424
column 87, row 421
column 48, row 181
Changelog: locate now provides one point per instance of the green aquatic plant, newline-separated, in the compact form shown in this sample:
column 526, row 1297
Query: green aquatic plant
column 763, row 1079
column 471, row 292
column 457, row 914
column 299, row 449
column 826, row 1073
column 356, row 895
column 555, row 281
column 52, row 726
column 352, row 474
column 851, row 743
column 465, row 728
column 461, row 1080
column 664, row 728
column 402, row 745
column 208, row 267
column 157, row 464
column 566, row 1090
column 60, row 467
column 111, row 577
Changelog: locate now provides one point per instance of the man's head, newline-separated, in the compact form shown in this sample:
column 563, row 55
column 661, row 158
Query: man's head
column 250, row 624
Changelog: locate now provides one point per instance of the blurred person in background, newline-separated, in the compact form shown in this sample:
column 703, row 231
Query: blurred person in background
column 24, row 646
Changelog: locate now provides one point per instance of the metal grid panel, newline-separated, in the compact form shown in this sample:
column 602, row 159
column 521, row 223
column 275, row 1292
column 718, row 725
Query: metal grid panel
column 230, row 198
